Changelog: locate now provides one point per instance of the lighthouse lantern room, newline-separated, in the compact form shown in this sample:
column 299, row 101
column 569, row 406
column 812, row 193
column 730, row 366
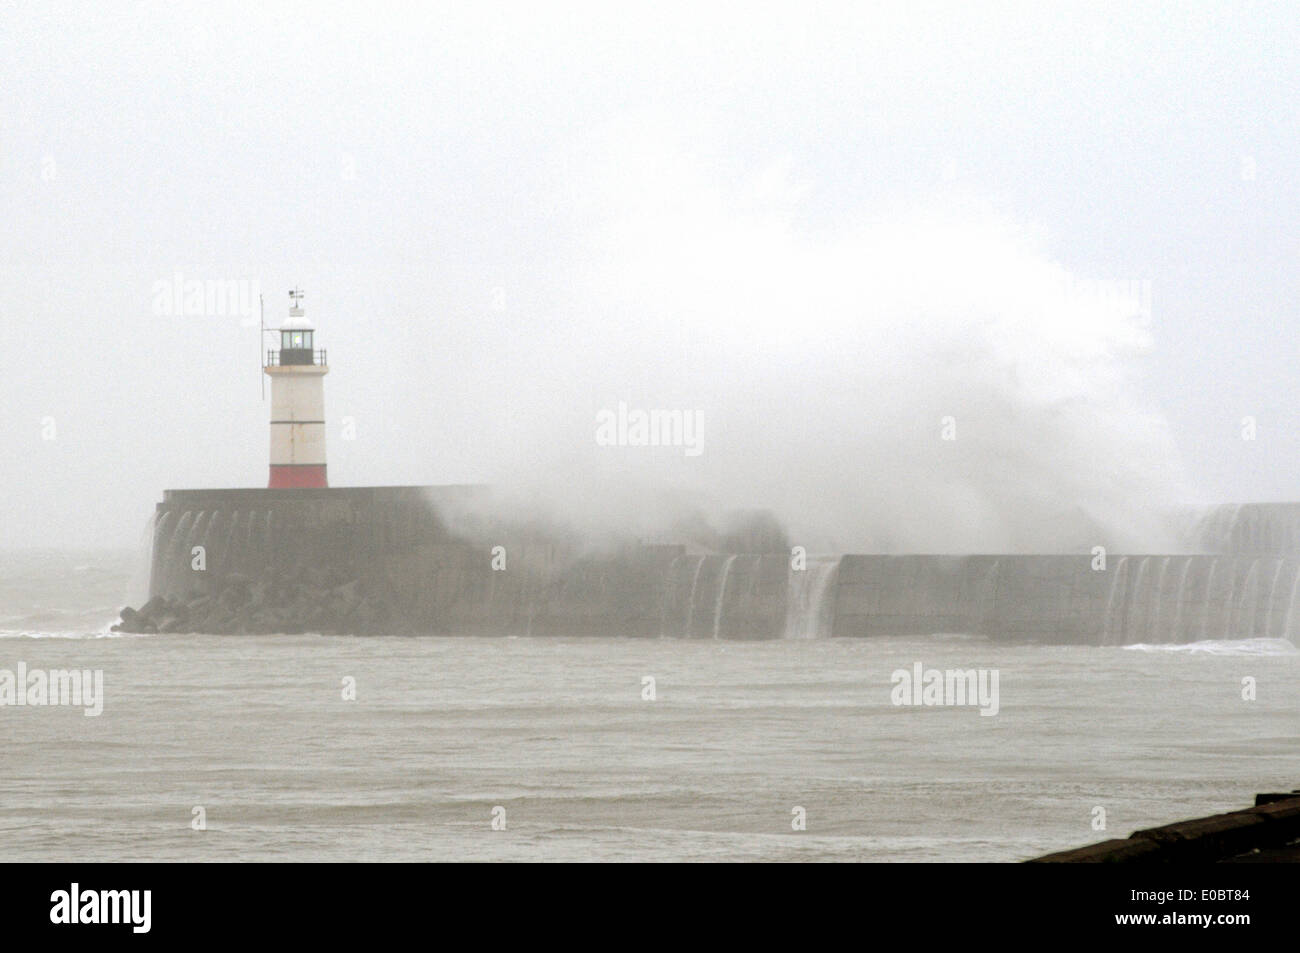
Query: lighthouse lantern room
column 297, row 371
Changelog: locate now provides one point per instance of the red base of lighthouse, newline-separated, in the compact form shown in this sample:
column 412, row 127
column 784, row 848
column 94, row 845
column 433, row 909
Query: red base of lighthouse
column 297, row 476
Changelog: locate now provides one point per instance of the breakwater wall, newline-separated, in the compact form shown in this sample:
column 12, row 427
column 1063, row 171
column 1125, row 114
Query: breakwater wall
column 1269, row 528
column 435, row 560
column 1065, row 599
column 1269, row 832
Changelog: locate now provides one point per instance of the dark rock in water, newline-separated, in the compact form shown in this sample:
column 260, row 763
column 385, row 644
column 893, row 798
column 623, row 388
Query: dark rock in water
column 325, row 601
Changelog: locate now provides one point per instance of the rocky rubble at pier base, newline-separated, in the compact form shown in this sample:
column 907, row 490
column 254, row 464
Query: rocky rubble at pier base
column 306, row 602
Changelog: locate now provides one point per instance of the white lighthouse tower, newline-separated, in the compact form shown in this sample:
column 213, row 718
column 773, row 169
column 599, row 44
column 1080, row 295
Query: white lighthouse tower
column 297, row 371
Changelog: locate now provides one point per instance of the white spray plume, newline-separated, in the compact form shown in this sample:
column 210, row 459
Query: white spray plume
column 826, row 368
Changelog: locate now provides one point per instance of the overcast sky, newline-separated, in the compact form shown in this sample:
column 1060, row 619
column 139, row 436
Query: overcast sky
column 822, row 228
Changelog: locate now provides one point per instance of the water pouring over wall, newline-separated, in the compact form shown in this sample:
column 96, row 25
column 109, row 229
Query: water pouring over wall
column 810, row 603
column 396, row 545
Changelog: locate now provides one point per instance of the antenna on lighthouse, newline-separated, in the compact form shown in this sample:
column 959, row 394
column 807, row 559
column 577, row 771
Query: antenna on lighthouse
column 261, row 342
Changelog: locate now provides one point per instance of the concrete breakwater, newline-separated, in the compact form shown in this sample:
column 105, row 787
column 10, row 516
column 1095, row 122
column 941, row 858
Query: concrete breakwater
column 436, row 560
column 1269, row 832
column 1245, row 528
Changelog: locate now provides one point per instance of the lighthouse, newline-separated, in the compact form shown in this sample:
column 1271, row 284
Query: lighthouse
column 297, row 371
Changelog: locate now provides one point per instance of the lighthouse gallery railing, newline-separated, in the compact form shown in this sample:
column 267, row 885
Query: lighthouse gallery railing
column 291, row 356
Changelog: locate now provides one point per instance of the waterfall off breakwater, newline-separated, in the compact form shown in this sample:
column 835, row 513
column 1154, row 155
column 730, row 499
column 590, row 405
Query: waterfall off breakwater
column 434, row 560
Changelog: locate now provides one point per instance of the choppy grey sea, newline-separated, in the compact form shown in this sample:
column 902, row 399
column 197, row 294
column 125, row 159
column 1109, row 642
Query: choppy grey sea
column 739, row 741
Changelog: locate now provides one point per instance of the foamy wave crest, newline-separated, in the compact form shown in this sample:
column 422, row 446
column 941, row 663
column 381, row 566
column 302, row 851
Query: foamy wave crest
column 1226, row 647
column 60, row 620
column 945, row 317
column 102, row 633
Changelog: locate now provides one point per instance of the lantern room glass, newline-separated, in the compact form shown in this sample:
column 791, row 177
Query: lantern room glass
column 295, row 340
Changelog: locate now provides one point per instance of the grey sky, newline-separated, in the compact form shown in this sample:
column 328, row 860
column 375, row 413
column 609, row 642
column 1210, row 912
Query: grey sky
column 508, row 218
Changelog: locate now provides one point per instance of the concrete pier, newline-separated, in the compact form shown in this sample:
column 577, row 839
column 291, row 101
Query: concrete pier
column 440, row 560
column 1269, row 832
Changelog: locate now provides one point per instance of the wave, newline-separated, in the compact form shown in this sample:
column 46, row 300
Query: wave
column 15, row 634
column 62, row 619
column 1222, row 647
column 98, row 631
